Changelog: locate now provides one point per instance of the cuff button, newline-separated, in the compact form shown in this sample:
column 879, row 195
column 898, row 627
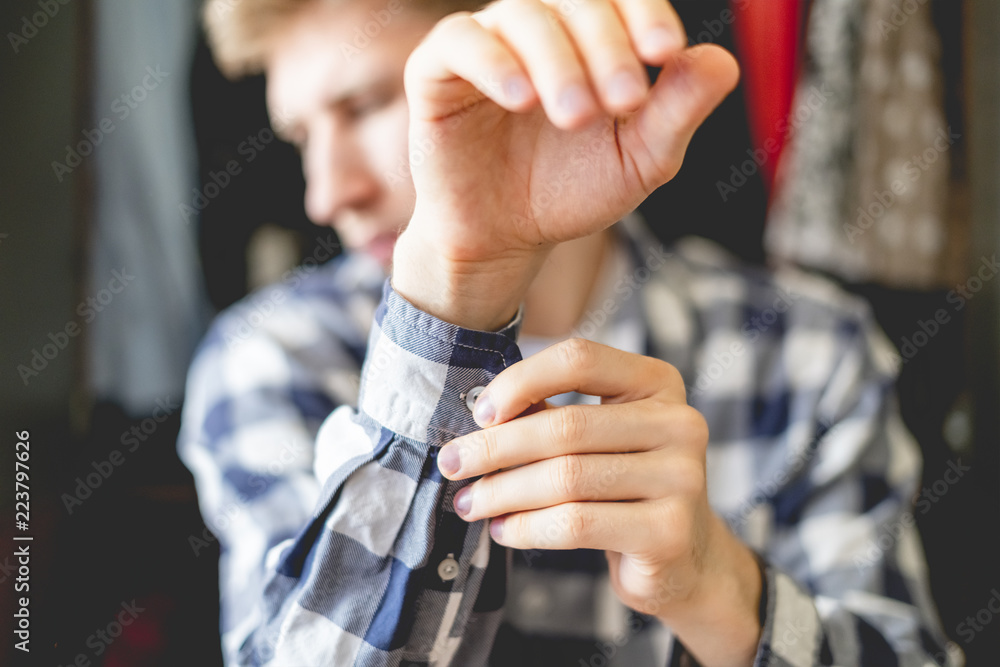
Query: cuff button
column 471, row 396
column 448, row 568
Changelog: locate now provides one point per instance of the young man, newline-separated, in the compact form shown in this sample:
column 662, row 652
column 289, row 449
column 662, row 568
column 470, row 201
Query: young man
column 445, row 513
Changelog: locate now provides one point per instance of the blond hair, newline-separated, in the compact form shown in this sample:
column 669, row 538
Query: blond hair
column 238, row 30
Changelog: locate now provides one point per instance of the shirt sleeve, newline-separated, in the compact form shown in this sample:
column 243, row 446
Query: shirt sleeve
column 382, row 571
column 248, row 428
column 844, row 574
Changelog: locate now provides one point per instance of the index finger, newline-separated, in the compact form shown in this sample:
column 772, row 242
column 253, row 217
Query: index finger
column 576, row 365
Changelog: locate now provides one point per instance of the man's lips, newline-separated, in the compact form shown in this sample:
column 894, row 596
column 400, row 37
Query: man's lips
column 380, row 247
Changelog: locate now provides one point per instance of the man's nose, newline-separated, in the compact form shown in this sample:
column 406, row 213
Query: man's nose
column 338, row 177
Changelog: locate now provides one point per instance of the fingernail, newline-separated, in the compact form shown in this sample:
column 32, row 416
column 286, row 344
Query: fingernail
column 463, row 501
column 484, row 411
column 624, row 88
column 517, row 89
column 575, row 100
column 663, row 39
column 449, row 460
column 496, row 528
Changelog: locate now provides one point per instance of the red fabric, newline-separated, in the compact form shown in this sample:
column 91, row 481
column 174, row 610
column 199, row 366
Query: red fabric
column 767, row 34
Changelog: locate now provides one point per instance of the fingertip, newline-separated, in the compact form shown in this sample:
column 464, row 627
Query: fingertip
column 626, row 91
column 574, row 107
column 449, row 460
column 721, row 65
column 484, row 411
column 517, row 89
column 496, row 528
column 516, row 93
column 660, row 42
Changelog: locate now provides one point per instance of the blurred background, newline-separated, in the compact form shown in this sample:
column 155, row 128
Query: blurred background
column 141, row 192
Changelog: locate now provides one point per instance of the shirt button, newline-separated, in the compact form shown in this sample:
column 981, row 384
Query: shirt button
column 448, row 568
column 471, row 396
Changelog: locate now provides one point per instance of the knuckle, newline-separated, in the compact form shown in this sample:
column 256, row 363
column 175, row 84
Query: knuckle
column 567, row 476
column 575, row 524
column 668, row 373
column 511, row 9
column 576, row 354
column 445, row 30
column 567, row 8
column 692, row 425
column 453, row 21
column 488, row 451
column 485, row 494
column 569, row 425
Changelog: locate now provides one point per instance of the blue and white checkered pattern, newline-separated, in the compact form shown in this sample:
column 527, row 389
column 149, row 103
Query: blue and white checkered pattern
column 339, row 542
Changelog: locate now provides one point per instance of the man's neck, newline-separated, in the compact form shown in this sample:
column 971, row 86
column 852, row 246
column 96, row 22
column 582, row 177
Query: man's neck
column 560, row 293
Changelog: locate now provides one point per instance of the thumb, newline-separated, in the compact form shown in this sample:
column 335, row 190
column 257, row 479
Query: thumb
column 687, row 90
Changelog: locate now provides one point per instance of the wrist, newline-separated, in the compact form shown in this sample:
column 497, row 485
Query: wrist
column 720, row 623
column 482, row 294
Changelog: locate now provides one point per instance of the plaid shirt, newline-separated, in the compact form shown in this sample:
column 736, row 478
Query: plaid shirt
column 312, row 435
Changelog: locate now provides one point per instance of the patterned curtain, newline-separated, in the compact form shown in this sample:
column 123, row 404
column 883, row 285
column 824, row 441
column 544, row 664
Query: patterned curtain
column 863, row 187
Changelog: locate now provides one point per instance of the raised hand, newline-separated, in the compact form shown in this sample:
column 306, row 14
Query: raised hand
column 533, row 123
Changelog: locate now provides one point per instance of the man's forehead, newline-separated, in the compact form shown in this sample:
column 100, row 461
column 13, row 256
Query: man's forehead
column 315, row 61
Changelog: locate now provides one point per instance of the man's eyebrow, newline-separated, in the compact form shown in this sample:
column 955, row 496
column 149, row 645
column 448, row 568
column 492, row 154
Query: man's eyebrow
column 377, row 83
column 286, row 124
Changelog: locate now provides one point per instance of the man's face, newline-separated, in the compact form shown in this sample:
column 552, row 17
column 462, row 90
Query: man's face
column 343, row 105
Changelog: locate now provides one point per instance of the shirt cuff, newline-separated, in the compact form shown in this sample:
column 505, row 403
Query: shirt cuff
column 792, row 633
column 419, row 370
